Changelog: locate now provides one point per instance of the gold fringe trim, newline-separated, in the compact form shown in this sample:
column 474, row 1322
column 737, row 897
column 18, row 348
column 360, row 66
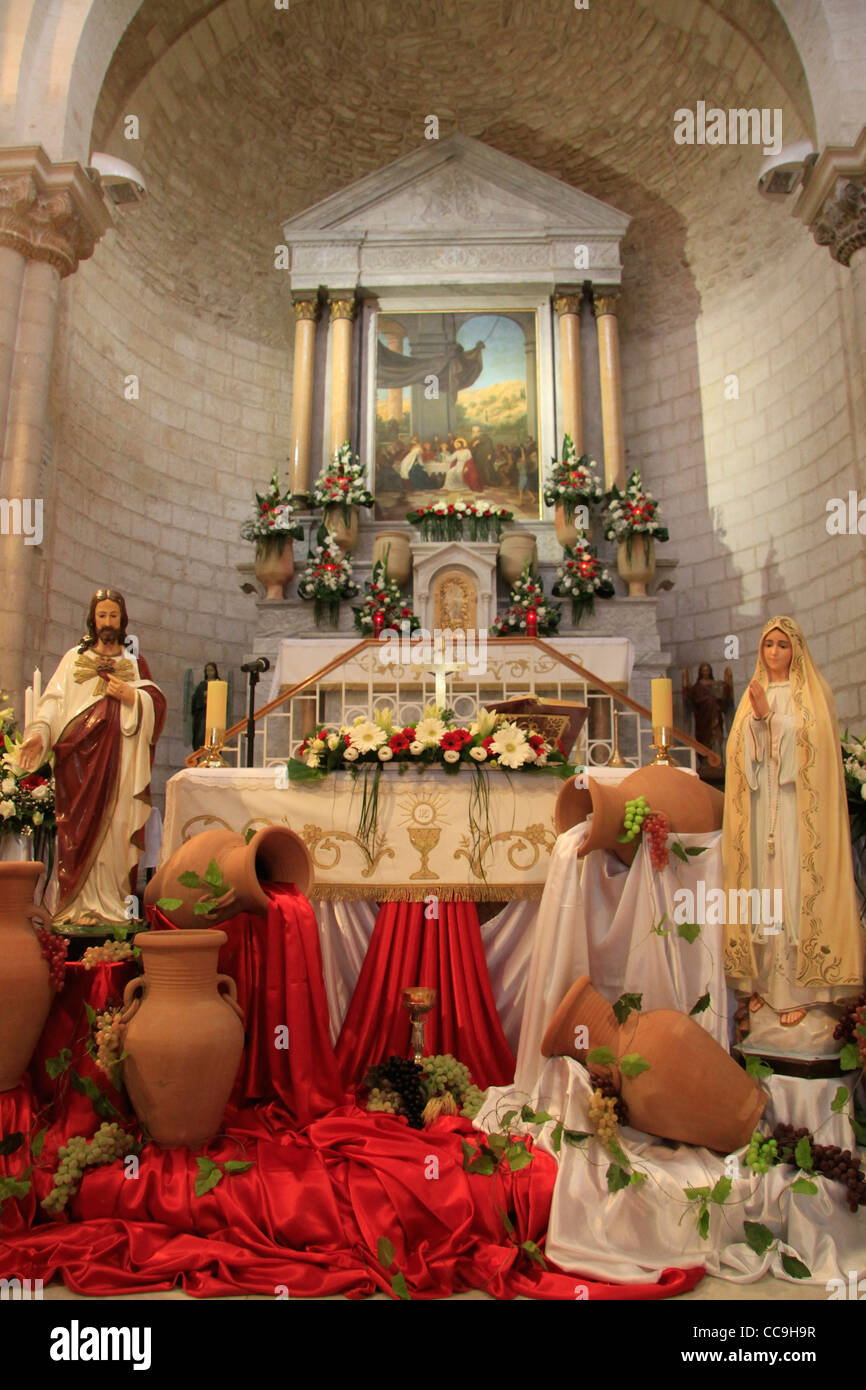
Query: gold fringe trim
column 419, row 892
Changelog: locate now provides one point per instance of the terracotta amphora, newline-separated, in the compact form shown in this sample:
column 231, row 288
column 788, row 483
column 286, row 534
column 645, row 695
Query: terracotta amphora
column 25, row 982
column 274, row 855
column 694, row 1091
column 691, row 806
column 183, row 1038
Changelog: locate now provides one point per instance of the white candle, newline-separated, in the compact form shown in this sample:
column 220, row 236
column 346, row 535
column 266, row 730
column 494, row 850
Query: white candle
column 37, row 687
column 28, row 707
column 215, row 715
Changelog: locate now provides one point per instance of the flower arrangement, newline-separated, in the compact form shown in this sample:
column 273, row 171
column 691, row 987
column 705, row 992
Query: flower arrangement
column 342, row 483
column 443, row 521
column 573, row 481
column 528, row 613
column 632, row 513
column 582, row 578
column 383, row 606
column 274, row 517
column 26, row 799
column 327, row 579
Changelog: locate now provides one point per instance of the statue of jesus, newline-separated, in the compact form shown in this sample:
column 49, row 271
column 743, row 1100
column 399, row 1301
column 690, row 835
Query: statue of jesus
column 102, row 715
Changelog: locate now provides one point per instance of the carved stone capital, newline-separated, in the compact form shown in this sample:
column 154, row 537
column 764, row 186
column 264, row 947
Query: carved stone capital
column 49, row 212
column 842, row 221
column 568, row 303
column 305, row 309
column 341, row 308
column 605, row 303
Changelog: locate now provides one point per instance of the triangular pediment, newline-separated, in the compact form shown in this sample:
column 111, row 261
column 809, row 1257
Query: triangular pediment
column 451, row 187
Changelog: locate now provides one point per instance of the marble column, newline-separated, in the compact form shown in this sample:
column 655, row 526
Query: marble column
column 51, row 217
column 605, row 306
column 567, row 307
column 306, row 312
column 342, row 315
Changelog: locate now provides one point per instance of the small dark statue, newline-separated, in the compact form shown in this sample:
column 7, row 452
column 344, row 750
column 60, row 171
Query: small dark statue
column 710, row 701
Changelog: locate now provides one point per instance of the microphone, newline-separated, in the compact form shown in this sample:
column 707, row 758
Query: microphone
column 257, row 666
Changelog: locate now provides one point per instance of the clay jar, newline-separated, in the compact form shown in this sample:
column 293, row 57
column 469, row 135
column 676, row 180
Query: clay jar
column 693, row 1092
column 692, row 807
column 25, row 983
column 183, row 1038
column 274, row 855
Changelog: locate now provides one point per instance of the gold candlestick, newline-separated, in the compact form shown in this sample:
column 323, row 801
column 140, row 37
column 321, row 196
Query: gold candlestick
column 616, row 759
column 214, row 745
column 661, row 743
column 419, row 1000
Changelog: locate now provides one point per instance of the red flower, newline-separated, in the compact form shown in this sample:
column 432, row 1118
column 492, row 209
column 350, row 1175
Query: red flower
column 398, row 743
column 405, row 612
column 32, row 782
column 486, row 742
column 536, row 743
column 455, row 738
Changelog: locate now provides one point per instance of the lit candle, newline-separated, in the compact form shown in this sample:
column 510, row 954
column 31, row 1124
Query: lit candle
column 28, row 707
column 662, row 703
column 378, row 622
column 531, row 623
column 215, row 715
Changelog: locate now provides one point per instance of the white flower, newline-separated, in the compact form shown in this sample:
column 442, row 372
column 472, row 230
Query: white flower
column 479, row 753
column 385, row 754
column 7, row 809
column 312, row 760
column 8, row 785
column 366, row 736
column 416, row 748
column 38, row 818
column 540, row 759
column 333, row 741
column 317, row 746
column 451, row 755
column 510, row 746
column 41, row 792
column 485, row 723
column 862, row 791
column 351, row 754
column 429, row 731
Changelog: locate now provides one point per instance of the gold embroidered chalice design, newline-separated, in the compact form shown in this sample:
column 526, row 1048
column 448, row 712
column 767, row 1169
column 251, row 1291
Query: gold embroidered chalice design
column 421, row 812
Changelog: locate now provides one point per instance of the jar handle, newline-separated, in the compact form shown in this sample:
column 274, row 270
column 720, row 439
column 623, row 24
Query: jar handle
column 232, row 997
column 131, row 1006
column 40, row 918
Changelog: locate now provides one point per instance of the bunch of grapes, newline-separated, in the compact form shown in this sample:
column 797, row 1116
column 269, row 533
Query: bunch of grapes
column 108, row 1143
column 405, row 1078
column 762, row 1153
column 107, row 953
column 607, row 1086
column 636, row 812
column 656, row 828
column 109, row 1041
column 853, row 1017
column 385, row 1100
column 443, row 1073
column 54, row 950
column 398, row 1087
column 839, row 1165
column 602, row 1116
column 472, row 1102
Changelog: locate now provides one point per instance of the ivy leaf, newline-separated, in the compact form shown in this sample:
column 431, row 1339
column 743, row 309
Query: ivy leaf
column 758, row 1068
column 696, row 850
column 385, row 1252
column 86, row 1086
column 189, row 879
column 859, row 1129
column 721, row 1192
column 556, row 1136
column 637, row 1178
column 55, row 1066
column 616, row 1149
column 534, row 1117
column 38, row 1142
column 849, row 1060
column 208, row 1175
column 701, row 1006
column 91, row 1015
column 678, row 850
column 695, row 1194
column 805, row 1186
column 169, row 904
column 795, row 1267
column 660, row 929
column 399, row 1286
column 626, row 1004
column 11, row 1143
column 482, row 1163
column 803, row 1154
column 204, row 909
column 509, row 1115
column 617, row 1178
column 840, row 1100
column 13, row 1187
column 530, row 1248
column 575, row 1137
column 468, row 1154
column 250, row 835
column 704, row 1223
column 600, row 1057
column 518, row 1157
column 506, row 1221
column 689, row 931
column 237, row 1165
column 632, row 1064
column 758, row 1237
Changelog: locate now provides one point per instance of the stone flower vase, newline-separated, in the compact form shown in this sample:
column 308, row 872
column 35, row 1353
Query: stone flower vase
column 395, row 552
column 516, row 549
column 274, row 565
column 274, row 855
column 25, row 984
column 693, row 1092
column 637, row 569
column 345, row 534
column 566, row 531
column 182, row 1036
column 692, row 806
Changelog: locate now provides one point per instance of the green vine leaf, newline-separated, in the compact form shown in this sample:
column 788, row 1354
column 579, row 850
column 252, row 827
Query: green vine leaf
column 38, row 1143
column 704, row 1224
column 56, row 1066
column 701, row 1006
column 208, row 1175
column 399, row 1286
column 508, row 1118
column 679, row 851
column 189, row 879
column 575, row 1137
column 385, row 1252
column 659, row 928
column 13, row 1187
column 697, row 1194
column 506, row 1221
column 803, row 1155
column 534, row 1117
column 556, row 1136
column 795, row 1267
column 849, row 1060
column 169, row 904
column 600, row 1057
column 86, row 1086
column 632, row 1064
column 90, row 1014
column 497, row 1144
column 689, row 931
column 758, row 1068
column 721, row 1192
column 637, row 1179
column 214, row 875
column 237, row 1165
column 250, row 835
column 758, row 1236
column 617, row 1178
column 615, row 1148
column 627, row 1004
column 840, row 1100
column 805, row 1186
column 517, row 1157
column 530, row 1248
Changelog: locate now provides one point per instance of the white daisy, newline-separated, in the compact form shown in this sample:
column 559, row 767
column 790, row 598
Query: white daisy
column 429, row 731
column 366, row 736
column 510, row 747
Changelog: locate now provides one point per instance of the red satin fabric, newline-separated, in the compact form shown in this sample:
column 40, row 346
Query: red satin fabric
column 327, row 1181
column 446, row 953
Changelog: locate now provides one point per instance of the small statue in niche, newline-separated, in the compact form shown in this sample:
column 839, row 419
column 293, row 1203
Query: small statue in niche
column 709, row 700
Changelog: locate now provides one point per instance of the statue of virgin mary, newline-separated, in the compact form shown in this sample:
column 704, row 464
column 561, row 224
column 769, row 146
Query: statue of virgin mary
column 786, row 834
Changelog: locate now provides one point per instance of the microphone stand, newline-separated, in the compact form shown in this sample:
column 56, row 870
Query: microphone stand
column 251, row 719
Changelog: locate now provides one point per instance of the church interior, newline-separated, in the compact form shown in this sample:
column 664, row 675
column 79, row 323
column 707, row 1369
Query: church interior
column 433, row 798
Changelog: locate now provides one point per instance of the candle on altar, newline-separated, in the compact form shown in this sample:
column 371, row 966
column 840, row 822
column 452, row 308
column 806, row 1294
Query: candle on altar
column 662, row 703
column 28, row 707
column 378, row 622
column 215, row 715
column 531, row 623
column 37, row 687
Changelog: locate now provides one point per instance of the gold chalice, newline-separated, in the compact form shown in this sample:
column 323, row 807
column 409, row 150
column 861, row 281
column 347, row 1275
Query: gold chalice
column 419, row 1000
